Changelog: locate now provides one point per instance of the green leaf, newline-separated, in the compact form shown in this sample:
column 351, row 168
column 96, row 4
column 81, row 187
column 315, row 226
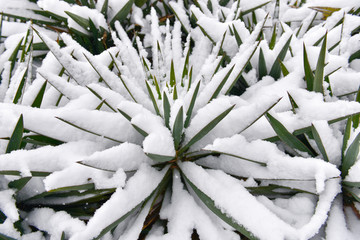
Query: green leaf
column 4, row 237
column 262, row 65
column 172, row 75
column 186, row 66
column 16, row 137
column 159, row 158
column 356, row 118
column 140, row 3
column 166, row 105
column 87, row 130
column 319, row 71
column 104, row 7
column 309, row 76
column 205, row 130
column 178, row 128
column 14, row 54
column 122, row 14
column 254, row 8
column 101, row 98
column 210, row 204
column 237, row 36
column 294, row 106
column 83, row 22
column 276, row 68
column 273, row 38
column 351, row 184
column 354, row 56
column 19, row 183
column 191, row 105
column 222, row 83
column 39, row 96
column 284, row 70
column 122, row 81
column 286, row 136
column 350, row 156
column 62, row 236
column 41, row 140
column 151, row 95
column 141, row 131
column 319, row 143
column 19, row 91
column 242, row 69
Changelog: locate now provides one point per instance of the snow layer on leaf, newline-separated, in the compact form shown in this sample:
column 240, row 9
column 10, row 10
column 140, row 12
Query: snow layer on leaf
column 55, row 223
column 126, row 156
column 137, row 189
column 331, row 142
column 240, row 118
column 135, row 227
column 159, row 139
column 77, row 174
column 7, row 205
column 336, row 224
column 47, row 159
column 184, row 215
column 278, row 164
column 311, row 108
column 108, row 124
column 296, row 210
column 238, row 203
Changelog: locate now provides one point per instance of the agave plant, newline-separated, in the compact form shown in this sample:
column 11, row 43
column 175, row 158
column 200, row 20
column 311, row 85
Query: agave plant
column 168, row 134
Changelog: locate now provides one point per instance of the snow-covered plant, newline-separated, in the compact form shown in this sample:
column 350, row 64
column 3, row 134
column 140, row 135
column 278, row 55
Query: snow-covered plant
column 180, row 131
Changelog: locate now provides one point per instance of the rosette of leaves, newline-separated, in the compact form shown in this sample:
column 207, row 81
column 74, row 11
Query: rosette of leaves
column 144, row 142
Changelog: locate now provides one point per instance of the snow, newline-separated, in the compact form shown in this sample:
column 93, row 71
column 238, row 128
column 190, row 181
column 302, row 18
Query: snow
column 55, row 223
column 137, row 189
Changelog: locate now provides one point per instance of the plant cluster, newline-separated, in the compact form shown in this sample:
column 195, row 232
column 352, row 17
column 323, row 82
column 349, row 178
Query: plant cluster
column 179, row 119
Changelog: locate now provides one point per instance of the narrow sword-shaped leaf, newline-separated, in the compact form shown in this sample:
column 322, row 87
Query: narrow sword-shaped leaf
column 191, row 105
column 159, row 158
column 319, row 143
column 209, row 203
column 205, row 130
column 221, row 85
column 178, row 128
column 104, row 7
column 286, row 136
column 275, row 70
column 122, row 14
column 19, row 91
column 39, row 97
column 309, row 76
column 83, row 22
column 172, row 75
column 273, row 38
column 319, row 71
column 151, row 95
column 350, row 156
column 16, row 136
column 122, row 80
column 86, row 130
column 166, row 106
column 259, row 116
column 101, row 98
column 262, row 65
column 284, row 70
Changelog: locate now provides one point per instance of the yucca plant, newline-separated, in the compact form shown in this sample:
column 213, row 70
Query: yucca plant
column 168, row 134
